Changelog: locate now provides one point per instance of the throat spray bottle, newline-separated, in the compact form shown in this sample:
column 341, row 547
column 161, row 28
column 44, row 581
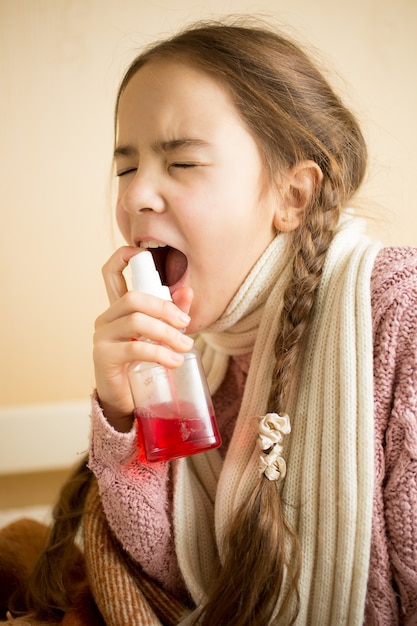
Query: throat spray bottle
column 173, row 407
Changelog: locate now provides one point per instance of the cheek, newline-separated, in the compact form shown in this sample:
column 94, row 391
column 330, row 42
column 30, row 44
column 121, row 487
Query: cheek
column 122, row 220
column 191, row 211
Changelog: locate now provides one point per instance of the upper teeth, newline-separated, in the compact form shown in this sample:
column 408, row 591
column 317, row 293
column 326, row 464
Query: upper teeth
column 152, row 244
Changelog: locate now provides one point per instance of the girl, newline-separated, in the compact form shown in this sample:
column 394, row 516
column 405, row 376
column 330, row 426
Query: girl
column 236, row 163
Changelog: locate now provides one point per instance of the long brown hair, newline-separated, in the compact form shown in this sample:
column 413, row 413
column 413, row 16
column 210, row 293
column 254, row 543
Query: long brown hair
column 57, row 575
column 293, row 114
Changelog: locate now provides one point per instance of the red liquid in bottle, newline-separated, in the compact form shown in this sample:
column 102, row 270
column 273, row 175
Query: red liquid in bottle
column 164, row 434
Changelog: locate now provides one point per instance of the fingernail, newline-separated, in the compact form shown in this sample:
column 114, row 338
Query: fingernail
column 188, row 341
column 184, row 318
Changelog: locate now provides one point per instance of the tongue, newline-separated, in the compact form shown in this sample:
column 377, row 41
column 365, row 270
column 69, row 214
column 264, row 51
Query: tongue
column 175, row 266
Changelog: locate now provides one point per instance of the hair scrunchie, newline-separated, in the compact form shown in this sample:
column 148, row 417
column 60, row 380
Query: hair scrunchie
column 272, row 428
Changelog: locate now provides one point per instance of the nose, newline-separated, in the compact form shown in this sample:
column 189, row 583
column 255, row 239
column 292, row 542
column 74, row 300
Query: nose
column 143, row 192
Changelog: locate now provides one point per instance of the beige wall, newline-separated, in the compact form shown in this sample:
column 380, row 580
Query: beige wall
column 60, row 63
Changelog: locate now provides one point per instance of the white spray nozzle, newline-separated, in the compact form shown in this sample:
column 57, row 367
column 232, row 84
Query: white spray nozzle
column 145, row 276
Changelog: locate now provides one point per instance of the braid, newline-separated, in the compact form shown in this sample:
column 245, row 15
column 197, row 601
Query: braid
column 310, row 242
column 57, row 573
column 236, row 599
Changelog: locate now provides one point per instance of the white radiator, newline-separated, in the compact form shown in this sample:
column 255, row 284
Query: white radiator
column 43, row 436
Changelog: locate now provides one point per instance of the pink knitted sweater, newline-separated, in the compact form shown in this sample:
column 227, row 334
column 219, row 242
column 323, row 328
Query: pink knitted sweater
column 137, row 498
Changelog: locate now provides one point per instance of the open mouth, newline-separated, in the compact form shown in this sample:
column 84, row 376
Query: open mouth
column 170, row 262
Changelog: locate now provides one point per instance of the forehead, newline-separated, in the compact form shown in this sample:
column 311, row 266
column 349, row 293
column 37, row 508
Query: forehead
column 173, row 88
column 161, row 73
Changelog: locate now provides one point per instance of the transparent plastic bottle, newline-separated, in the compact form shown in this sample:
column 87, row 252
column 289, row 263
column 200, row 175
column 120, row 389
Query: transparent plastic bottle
column 173, row 407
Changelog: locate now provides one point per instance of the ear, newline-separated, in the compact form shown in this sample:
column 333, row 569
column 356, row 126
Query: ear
column 299, row 185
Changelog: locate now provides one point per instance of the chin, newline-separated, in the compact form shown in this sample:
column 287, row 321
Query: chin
column 200, row 322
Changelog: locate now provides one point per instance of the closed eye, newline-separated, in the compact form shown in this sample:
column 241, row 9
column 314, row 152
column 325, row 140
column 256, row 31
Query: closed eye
column 183, row 165
column 129, row 170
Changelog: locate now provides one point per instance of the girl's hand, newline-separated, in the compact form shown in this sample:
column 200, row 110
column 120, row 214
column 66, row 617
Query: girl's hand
column 120, row 331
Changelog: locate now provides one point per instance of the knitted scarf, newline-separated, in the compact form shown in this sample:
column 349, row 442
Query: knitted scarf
column 328, row 489
column 124, row 594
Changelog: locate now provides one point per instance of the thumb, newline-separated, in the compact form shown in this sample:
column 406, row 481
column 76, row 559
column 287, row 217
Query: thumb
column 113, row 272
column 182, row 297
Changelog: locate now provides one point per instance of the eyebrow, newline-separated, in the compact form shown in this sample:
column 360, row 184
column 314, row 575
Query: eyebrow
column 163, row 146
column 124, row 151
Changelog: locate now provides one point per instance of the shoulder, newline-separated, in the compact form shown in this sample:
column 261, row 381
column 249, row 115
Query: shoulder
column 394, row 320
column 394, row 277
column 394, row 316
column 394, row 304
column 394, row 310
column 394, row 289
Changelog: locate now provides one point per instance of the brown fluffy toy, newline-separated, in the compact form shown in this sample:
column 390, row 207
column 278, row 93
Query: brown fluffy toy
column 21, row 544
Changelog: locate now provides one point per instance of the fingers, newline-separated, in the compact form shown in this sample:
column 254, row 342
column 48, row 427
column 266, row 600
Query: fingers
column 112, row 359
column 141, row 317
column 145, row 305
column 139, row 326
column 114, row 350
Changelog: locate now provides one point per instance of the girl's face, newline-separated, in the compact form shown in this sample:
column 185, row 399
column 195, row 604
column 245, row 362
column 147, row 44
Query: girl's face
column 192, row 182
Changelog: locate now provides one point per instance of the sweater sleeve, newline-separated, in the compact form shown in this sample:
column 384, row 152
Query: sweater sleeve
column 136, row 500
column 394, row 550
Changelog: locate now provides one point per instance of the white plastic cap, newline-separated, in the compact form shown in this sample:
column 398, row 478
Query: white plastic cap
column 145, row 276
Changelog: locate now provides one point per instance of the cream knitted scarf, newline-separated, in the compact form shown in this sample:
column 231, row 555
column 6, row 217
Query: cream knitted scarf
column 328, row 489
